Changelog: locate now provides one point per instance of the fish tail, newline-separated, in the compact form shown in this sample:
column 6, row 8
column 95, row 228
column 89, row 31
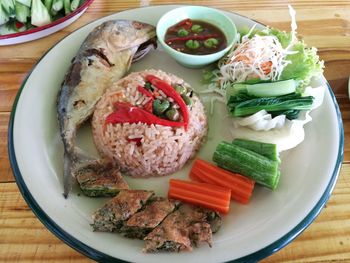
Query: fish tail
column 67, row 174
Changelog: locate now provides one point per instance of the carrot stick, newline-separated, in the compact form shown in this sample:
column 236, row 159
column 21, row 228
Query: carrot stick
column 212, row 190
column 202, row 194
column 241, row 187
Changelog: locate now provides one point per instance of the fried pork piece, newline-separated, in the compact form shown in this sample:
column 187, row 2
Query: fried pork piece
column 100, row 179
column 144, row 221
column 187, row 226
column 111, row 216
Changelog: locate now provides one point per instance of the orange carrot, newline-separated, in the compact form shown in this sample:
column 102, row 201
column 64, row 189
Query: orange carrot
column 202, row 194
column 241, row 187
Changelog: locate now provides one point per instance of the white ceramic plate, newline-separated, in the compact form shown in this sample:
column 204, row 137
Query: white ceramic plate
column 249, row 232
column 43, row 31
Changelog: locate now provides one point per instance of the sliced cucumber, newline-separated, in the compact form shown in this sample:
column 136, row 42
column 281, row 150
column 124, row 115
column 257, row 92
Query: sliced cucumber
column 25, row 2
column 243, row 161
column 269, row 150
column 22, row 12
column 269, row 89
column 4, row 17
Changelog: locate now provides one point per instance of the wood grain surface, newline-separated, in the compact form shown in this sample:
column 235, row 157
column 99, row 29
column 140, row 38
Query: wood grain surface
column 324, row 24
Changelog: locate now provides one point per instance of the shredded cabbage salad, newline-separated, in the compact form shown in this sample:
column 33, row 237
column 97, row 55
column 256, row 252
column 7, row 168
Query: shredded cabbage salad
column 261, row 57
column 265, row 56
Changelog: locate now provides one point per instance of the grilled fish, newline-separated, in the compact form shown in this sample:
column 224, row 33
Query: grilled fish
column 104, row 57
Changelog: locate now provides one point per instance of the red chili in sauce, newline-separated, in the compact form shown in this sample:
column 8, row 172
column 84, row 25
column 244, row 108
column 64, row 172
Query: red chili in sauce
column 195, row 37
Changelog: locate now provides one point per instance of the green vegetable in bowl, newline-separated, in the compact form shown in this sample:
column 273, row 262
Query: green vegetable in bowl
column 192, row 44
column 196, row 28
column 57, row 5
column 27, row 3
column 74, row 5
column 20, row 15
column 40, row 15
column 8, row 7
column 22, row 12
column 211, row 43
column 4, row 18
column 182, row 32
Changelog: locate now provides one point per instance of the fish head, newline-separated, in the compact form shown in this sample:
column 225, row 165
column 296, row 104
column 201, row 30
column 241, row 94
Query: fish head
column 116, row 35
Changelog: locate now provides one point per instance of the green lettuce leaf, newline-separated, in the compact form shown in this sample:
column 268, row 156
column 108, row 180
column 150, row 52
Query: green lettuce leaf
column 304, row 65
column 284, row 37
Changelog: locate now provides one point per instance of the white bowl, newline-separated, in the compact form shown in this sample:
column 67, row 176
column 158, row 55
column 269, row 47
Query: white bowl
column 210, row 15
column 43, row 31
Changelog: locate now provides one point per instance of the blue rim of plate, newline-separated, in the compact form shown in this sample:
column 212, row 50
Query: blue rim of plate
column 94, row 254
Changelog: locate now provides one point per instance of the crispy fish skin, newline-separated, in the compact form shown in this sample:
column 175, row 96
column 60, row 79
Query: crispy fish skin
column 144, row 221
column 104, row 57
column 111, row 216
column 100, row 180
column 187, row 226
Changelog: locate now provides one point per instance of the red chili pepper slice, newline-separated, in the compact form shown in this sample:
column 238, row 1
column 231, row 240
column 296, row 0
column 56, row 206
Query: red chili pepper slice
column 126, row 113
column 136, row 140
column 184, row 22
column 19, row 24
column 174, row 39
column 144, row 91
column 149, row 106
column 170, row 92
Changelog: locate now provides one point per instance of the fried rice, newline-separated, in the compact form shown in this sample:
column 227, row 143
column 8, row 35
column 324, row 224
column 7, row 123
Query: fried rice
column 143, row 150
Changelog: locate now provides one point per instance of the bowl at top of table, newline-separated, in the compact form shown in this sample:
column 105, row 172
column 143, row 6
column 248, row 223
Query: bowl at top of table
column 196, row 36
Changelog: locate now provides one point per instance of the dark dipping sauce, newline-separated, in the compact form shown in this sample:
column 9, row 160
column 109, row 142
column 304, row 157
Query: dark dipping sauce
column 195, row 37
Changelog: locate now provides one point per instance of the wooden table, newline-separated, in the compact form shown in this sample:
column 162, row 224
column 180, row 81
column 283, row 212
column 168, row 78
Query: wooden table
column 324, row 24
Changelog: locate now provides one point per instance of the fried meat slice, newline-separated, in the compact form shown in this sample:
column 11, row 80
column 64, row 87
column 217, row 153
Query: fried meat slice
column 183, row 229
column 144, row 221
column 111, row 217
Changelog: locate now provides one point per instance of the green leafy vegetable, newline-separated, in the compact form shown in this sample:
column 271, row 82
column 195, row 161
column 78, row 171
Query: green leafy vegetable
column 304, row 65
column 243, row 106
